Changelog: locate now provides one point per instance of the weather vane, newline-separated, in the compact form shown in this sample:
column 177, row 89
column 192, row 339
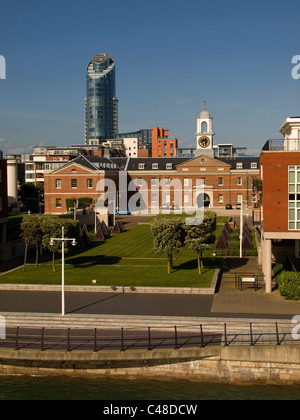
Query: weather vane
column 204, row 106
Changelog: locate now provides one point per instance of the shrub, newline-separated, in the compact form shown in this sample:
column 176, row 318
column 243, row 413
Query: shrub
column 289, row 284
column 70, row 203
column 84, row 201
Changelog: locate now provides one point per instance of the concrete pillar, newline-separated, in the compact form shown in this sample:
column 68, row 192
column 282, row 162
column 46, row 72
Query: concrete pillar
column 12, row 179
column 263, row 259
column 267, row 257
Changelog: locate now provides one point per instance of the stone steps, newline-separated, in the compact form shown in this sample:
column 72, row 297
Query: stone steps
column 31, row 320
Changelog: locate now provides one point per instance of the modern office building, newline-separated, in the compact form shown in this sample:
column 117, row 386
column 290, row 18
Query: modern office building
column 162, row 146
column 153, row 142
column 101, row 104
column 144, row 136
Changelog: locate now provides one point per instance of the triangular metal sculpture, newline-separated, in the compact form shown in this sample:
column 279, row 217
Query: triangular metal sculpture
column 222, row 243
column 104, row 229
column 99, row 234
column 118, row 228
column 84, row 229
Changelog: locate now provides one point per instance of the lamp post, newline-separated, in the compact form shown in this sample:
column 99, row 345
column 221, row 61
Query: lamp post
column 74, row 208
column 63, row 239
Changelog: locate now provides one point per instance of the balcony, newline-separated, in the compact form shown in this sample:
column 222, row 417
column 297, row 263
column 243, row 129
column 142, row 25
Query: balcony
column 282, row 144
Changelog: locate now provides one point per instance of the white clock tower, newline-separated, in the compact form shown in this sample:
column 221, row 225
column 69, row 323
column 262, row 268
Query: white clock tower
column 204, row 134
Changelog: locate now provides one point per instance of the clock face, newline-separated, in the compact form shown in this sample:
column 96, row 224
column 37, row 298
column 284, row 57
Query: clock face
column 204, row 142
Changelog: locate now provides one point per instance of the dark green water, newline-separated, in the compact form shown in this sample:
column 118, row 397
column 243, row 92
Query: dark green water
column 70, row 388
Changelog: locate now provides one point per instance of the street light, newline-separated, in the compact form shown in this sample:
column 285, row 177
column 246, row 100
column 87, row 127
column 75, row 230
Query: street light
column 74, row 208
column 63, row 239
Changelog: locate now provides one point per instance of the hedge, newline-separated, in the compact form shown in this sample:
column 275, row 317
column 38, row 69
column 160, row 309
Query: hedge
column 289, row 284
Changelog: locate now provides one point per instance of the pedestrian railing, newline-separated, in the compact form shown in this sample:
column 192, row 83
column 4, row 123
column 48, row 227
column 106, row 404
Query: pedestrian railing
column 150, row 338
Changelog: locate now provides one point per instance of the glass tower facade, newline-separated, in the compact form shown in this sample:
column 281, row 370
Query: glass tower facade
column 101, row 104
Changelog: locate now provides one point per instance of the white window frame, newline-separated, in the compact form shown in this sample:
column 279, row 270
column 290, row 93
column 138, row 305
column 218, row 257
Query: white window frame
column 294, row 198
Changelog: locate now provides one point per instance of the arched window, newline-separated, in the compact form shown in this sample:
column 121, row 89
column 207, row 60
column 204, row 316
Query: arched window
column 204, row 127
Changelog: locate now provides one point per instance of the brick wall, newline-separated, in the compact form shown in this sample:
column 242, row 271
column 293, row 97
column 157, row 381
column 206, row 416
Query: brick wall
column 275, row 188
column 73, row 181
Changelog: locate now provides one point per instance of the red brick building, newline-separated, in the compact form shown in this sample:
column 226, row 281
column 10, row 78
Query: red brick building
column 79, row 178
column 280, row 210
column 165, row 182
column 280, row 203
column 162, row 146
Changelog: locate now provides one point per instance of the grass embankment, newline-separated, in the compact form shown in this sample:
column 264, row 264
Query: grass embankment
column 125, row 259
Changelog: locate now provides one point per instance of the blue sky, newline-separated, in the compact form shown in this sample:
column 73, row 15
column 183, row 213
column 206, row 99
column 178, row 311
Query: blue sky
column 171, row 55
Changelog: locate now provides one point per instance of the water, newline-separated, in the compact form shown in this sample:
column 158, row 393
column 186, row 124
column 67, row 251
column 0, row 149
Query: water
column 75, row 388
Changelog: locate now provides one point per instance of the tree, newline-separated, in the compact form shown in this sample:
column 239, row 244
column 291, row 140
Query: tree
column 31, row 235
column 52, row 228
column 199, row 237
column 31, row 196
column 168, row 237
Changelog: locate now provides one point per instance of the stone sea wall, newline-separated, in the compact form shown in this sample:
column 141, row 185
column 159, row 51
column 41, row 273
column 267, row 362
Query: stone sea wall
column 234, row 364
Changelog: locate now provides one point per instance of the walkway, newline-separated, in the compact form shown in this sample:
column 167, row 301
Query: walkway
column 231, row 300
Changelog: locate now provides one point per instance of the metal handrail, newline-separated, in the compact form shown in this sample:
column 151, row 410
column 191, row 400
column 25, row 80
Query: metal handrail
column 149, row 338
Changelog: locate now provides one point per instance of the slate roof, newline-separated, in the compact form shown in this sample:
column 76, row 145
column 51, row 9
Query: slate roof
column 94, row 162
column 133, row 164
column 245, row 160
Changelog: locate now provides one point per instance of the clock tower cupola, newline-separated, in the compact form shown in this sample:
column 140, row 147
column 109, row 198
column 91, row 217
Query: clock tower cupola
column 204, row 134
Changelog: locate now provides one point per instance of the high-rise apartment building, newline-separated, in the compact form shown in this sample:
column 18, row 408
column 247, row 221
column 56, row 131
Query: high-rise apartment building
column 101, row 104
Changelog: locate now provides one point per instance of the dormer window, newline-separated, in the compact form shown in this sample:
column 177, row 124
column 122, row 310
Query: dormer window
column 169, row 166
column 141, row 166
column 154, row 165
column 239, row 165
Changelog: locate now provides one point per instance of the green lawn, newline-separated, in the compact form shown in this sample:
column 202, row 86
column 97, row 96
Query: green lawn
column 125, row 259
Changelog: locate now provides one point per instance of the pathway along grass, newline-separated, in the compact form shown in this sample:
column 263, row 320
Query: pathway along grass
column 126, row 259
